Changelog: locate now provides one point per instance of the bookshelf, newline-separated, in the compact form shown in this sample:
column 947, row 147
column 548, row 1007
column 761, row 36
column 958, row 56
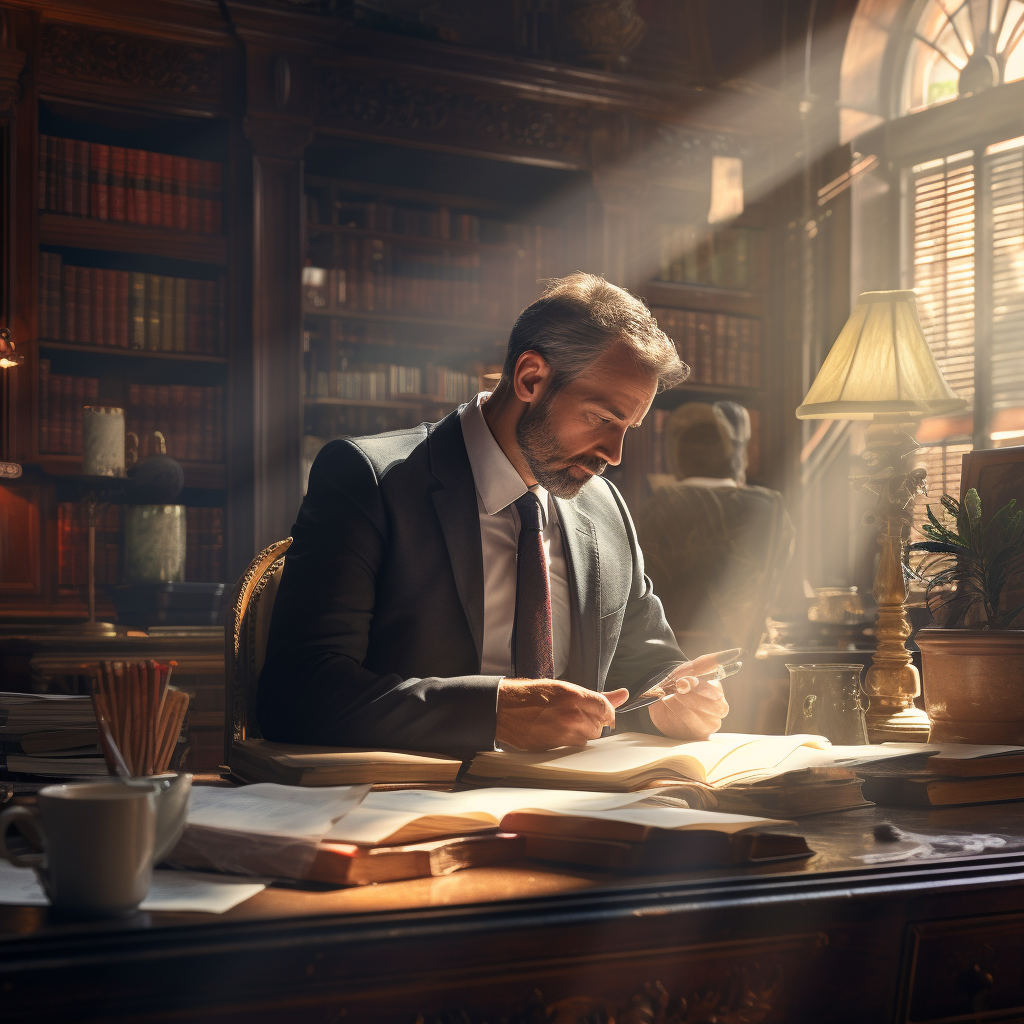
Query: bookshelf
column 409, row 292
column 129, row 308
column 708, row 289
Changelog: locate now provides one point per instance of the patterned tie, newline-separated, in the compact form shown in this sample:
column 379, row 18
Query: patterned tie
column 532, row 656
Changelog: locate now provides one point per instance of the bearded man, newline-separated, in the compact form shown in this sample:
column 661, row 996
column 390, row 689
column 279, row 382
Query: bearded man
column 476, row 581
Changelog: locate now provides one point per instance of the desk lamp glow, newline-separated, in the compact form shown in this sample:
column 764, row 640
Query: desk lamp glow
column 881, row 369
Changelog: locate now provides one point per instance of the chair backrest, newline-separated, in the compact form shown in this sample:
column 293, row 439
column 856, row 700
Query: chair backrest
column 245, row 636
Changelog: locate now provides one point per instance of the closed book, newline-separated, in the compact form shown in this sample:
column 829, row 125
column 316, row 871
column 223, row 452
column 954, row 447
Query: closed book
column 682, row 851
column 140, row 186
column 137, row 310
column 99, row 181
column 46, row 741
column 294, row 765
column 194, row 441
column 166, row 314
column 97, row 308
column 70, row 302
column 207, row 848
column 116, row 324
column 44, row 405
column 154, row 307
column 81, row 172
column 195, row 202
column 44, row 171
column 44, row 316
column 66, row 165
column 968, row 760
column 180, row 193
column 180, row 313
column 79, row 399
column 83, row 306
column 193, row 339
column 210, row 326
column 117, row 195
column 167, row 196
column 55, row 440
column 56, row 272
column 927, row 790
column 212, row 208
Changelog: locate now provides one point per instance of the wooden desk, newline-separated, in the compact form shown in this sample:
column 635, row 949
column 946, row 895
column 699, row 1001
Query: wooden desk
column 825, row 940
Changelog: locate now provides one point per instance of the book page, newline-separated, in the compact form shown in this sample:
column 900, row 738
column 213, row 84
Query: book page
column 272, row 809
column 301, row 756
column 383, row 815
column 679, row 819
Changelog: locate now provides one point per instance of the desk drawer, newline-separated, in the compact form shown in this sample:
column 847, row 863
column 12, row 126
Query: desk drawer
column 966, row 970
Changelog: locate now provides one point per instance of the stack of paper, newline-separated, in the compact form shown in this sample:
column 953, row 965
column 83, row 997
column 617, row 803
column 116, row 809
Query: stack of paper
column 49, row 735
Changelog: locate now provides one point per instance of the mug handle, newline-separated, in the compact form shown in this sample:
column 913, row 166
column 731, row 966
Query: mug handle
column 22, row 860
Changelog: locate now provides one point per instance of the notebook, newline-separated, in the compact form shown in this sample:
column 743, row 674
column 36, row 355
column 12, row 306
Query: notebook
column 295, row 765
column 631, row 761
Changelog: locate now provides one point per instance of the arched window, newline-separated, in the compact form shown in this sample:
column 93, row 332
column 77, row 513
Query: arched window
column 949, row 76
column 961, row 47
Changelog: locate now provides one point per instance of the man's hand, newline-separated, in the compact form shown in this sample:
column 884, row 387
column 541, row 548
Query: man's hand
column 692, row 709
column 540, row 714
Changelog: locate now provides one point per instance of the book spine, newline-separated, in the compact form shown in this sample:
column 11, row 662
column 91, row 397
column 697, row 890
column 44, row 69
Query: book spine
column 152, row 312
column 97, row 308
column 166, row 314
column 180, row 193
column 195, row 204
column 140, row 187
column 116, row 202
column 137, row 310
column 44, row 405
column 167, row 190
column 83, row 306
column 78, row 398
column 99, row 184
column 192, row 335
column 180, row 313
column 194, row 446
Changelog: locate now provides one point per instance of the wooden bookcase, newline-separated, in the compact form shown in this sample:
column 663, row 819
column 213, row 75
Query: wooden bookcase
column 121, row 239
column 409, row 293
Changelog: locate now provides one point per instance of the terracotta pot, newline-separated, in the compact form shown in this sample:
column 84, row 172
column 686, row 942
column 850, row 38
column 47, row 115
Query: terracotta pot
column 973, row 682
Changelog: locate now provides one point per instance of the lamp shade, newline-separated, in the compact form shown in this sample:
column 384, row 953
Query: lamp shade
column 880, row 364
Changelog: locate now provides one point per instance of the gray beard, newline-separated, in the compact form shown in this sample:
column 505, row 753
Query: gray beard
column 547, row 458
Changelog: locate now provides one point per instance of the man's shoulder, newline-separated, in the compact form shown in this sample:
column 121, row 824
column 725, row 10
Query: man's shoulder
column 385, row 451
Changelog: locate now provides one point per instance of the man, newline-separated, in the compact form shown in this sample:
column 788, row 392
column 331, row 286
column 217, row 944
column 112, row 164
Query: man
column 715, row 547
column 475, row 581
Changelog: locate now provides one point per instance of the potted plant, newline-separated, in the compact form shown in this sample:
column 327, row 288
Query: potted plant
column 973, row 659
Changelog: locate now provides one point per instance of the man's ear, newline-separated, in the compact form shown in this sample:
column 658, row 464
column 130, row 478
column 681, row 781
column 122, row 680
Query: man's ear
column 531, row 377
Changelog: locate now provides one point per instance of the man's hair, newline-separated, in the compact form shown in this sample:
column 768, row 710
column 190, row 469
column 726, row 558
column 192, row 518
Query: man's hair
column 578, row 318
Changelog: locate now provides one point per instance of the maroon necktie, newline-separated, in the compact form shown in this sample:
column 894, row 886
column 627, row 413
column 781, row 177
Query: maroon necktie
column 532, row 656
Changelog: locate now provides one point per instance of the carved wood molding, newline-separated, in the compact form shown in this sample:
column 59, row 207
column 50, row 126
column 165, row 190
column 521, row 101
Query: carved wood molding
column 83, row 53
column 350, row 99
column 744, row 995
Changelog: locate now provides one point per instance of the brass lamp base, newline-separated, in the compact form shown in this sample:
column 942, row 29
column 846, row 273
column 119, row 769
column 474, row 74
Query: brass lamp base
column 892, row 682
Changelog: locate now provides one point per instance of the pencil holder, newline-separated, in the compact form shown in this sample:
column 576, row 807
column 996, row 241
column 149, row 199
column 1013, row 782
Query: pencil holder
column 138, row 714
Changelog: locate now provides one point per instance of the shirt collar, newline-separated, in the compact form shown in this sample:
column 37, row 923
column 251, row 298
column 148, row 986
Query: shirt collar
column 497, row 481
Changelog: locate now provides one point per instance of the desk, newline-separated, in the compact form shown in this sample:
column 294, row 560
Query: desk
column 827, row 940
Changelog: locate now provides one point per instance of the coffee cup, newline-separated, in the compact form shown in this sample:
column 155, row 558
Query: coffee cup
column 99, row 841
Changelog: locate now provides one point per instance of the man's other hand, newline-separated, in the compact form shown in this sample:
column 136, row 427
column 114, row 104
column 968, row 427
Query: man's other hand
column 692, row 709
column 540, row 714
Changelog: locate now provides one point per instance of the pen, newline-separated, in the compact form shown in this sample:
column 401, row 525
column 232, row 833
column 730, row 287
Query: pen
column 652, row 697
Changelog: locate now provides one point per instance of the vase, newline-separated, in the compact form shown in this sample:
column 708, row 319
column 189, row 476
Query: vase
column 973, row 681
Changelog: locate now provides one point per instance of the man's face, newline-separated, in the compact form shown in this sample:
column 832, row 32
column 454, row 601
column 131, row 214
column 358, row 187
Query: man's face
column 575, row 434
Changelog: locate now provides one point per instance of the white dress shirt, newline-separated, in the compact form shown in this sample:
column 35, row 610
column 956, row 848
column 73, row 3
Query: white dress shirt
column 498, row 484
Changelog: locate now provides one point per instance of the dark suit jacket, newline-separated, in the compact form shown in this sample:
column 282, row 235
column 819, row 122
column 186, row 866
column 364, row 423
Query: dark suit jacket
column 377, row 627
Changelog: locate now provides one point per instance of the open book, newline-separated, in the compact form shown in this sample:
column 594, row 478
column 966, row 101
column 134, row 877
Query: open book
column 631, row 761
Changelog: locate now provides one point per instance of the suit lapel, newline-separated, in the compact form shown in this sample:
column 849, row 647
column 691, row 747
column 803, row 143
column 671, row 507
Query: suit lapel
column 456, row 505
column 580, row 539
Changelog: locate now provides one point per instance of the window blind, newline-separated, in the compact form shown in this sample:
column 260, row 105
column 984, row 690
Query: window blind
column 943, row 265
column 1004, row 184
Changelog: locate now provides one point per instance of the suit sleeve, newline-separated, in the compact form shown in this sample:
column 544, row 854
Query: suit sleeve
column 313, row 687
column 647, row 650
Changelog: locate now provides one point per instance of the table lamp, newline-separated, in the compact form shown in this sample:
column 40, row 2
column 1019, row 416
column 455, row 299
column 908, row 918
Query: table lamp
column 881, row 369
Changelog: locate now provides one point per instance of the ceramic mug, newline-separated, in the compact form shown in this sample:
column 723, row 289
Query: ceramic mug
column 99, row 840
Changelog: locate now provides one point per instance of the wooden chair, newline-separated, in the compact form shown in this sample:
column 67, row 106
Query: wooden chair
column 245, row 637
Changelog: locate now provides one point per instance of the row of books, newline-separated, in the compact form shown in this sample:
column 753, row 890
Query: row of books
column 191, row 419
column 693, row 255
column 380, row 382
column 204, row 545
column 130, row 310
column 718, row 348
column 61, row 400
column 135, row 186
column 373, row 276
column 438, row 222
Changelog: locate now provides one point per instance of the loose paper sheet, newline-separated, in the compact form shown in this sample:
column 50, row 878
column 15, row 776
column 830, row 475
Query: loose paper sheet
column 182, row 891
